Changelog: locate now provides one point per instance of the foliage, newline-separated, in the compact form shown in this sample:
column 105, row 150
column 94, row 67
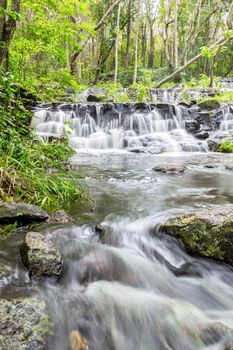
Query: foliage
column 25, row 163
column 226, row 146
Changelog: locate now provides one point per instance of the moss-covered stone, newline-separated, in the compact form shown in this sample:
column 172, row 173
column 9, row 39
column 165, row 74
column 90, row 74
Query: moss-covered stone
column 209, row 105
column 208, row 232
column 24, row 324
column 40, row 256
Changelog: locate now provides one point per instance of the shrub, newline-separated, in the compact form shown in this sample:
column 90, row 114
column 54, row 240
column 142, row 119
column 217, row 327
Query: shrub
column 226, row 146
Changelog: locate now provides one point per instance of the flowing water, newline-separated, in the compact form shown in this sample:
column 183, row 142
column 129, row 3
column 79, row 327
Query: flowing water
column 124, row 286
column 162, row 130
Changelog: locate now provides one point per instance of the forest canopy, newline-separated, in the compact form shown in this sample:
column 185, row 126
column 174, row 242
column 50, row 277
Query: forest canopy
column 58, row 44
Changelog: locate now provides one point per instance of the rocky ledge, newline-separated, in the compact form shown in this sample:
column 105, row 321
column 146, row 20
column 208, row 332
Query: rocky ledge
column 24, row 324
column 40, row 256
column 20, row 212
column 208, row 232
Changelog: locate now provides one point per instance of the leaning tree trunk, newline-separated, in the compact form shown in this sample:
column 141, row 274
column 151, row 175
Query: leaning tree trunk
column 221, row 42
column 7, row 28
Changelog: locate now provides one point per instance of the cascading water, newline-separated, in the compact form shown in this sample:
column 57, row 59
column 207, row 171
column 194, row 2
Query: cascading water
column 92, row 129
column 227, row 123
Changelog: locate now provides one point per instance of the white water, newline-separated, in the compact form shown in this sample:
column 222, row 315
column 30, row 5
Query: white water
column 227, row 123
column 135, row 130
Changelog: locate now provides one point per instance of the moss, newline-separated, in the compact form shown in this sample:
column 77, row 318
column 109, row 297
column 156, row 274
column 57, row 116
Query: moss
column 24, row 324
column 203, row 237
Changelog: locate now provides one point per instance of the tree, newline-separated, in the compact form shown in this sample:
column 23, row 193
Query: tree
column 9, row 14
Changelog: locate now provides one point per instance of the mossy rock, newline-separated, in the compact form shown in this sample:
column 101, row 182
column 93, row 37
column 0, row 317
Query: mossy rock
column 208, row 232
column 24, row 324
column 40, row 256
column 22, row 213
column 209, row 105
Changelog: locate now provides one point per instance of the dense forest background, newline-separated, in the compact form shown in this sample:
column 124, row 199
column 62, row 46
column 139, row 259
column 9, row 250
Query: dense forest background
column 50, row 45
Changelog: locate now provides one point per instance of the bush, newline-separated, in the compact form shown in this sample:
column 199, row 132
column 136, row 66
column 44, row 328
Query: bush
column 24, row 173
column 24, row 162
column 226, row 146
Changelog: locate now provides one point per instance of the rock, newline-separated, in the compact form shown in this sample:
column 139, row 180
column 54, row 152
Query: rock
column 189, row 269
column 214, row 333
column 169, row 169
column 229, row 166
column 209, row 105
column 40, row 256
column 208, row 232
column 202, row 135
column 60, row 217
column 19, row 212
column 24, row 324
column 77, row 342
column 192, row 126
column 213, row 166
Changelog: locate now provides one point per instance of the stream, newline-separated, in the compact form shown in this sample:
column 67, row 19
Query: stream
column 125, row 286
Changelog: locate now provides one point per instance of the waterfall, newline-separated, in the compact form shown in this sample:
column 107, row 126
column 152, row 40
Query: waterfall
column 227, row 123
column 118, row 126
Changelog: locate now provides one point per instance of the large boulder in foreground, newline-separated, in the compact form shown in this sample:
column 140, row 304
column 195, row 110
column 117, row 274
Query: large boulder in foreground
column 20, row 212
column 207, row 232
column 41, row 256
column 24, row 324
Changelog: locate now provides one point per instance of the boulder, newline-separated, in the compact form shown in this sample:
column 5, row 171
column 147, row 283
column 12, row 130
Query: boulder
column 170, row 169
column 208, row 232
column 40, row 256
column 209, row 105
column 20, row 212
column 202, row 135
column 24, row 324
column 60, row 217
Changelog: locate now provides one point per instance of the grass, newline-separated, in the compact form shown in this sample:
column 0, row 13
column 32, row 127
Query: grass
column 24, row 175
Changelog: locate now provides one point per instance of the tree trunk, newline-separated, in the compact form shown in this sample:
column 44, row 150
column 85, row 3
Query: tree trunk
column 117, row 43
column 152, row 49
column 127, row 54
column 7, row 28
column 175, row 37
column 221, row 42
column 136, row 46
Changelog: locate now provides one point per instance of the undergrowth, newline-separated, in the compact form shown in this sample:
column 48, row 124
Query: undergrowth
column 25, row 163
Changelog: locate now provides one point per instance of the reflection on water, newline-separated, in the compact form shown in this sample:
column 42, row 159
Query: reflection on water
column 126, row 288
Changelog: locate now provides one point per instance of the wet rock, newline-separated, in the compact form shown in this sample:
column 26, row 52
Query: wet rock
column 99, row 229
column 170, row 169
column 207, row 232
column 77, row 342
column 215, row 332
column 213, row 166
column 192, row 126
column 229, row 166
column 19, row 212
column 24, row 324
column 209, row 105
column 60, row 217
column 202, row 135
column 189, row 270
column 40, row 256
